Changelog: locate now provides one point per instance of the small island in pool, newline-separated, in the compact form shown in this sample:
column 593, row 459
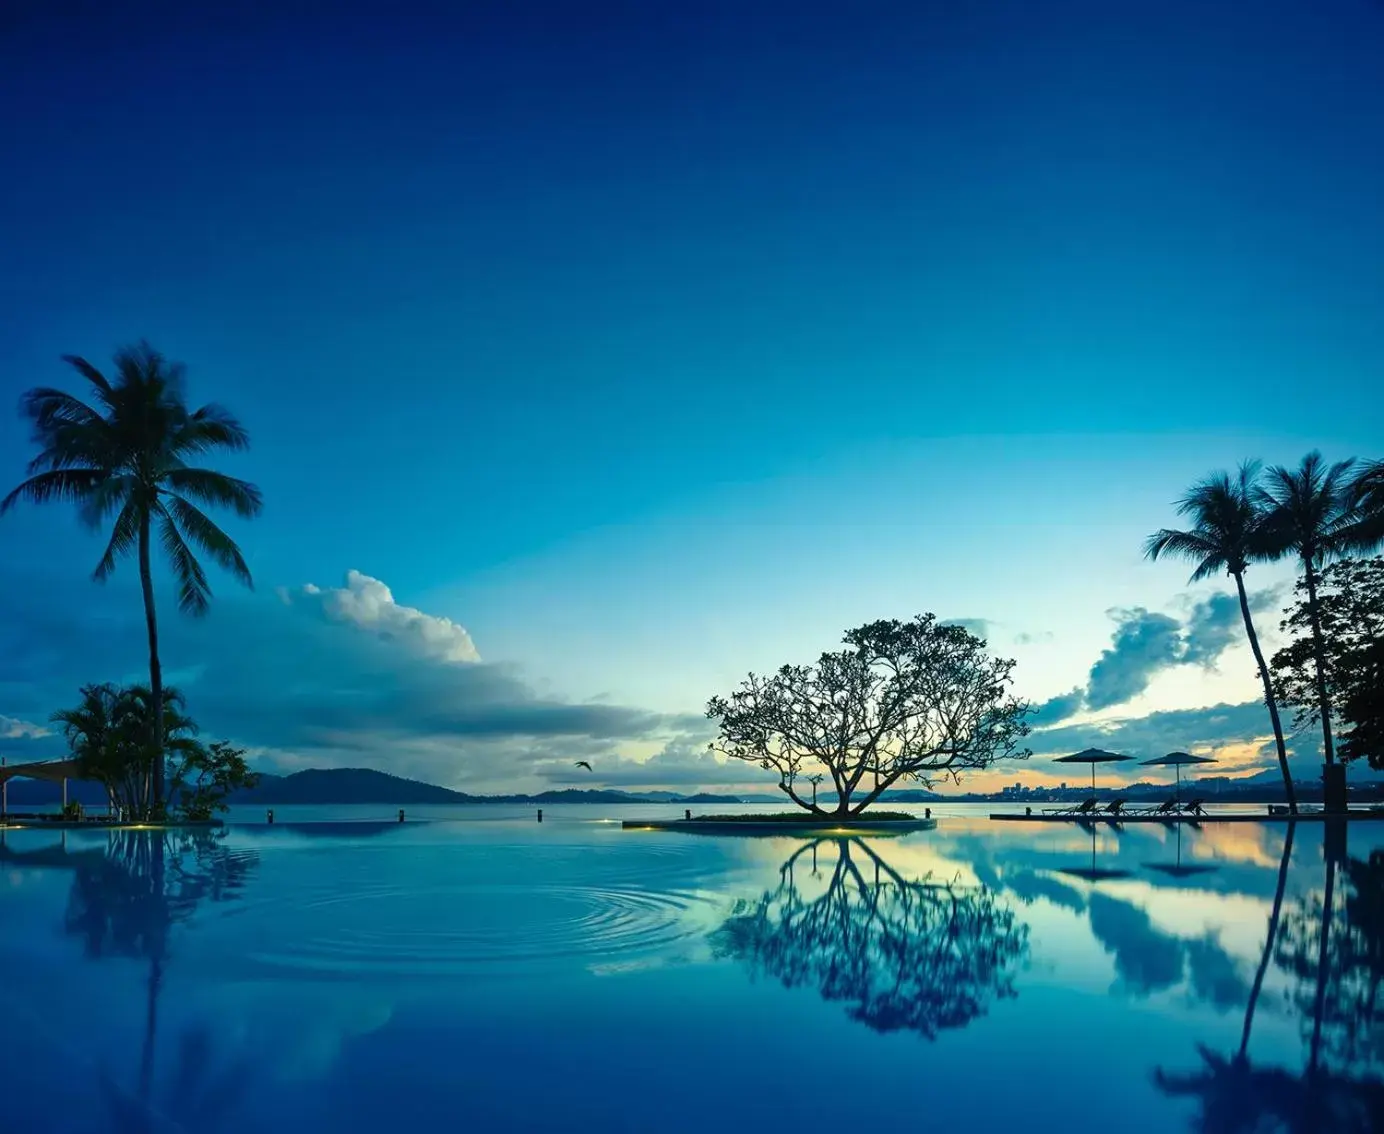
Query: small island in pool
column 798, row 822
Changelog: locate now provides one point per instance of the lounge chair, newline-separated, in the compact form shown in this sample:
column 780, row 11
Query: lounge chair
column 1194, row 807
column 1114, row 809
column 1167, row 807
column 1085, row 807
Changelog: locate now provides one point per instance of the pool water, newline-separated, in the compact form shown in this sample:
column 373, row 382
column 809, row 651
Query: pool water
column 570, row 976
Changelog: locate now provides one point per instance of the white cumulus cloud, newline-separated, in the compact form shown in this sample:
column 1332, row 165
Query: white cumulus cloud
column 13, row 729
column 369, row 604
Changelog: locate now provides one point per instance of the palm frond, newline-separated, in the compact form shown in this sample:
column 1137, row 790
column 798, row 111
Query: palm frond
column 59, row 484
column 203, row 532
column 1196, row 546
column 110, row 495
column 211, row 427
column 124, row 537
column 91, row 374
column 48, row 408
column 216, row 489
column 1306, row 510
column 194, row 592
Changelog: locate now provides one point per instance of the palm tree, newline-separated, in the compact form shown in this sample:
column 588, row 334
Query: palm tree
column 1366, row 530
column 108, row 734
column 1307, row 512
column 93, row 733
column 1225, row 537
column 127, row 456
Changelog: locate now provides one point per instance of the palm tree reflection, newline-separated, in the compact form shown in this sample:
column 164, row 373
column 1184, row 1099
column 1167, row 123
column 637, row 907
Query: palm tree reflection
column 923, row 956
column 1335, row 964
column 126, row 904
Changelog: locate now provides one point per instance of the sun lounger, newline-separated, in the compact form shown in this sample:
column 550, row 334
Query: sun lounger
column 1113, row 809
column 1167, row 807
column 1194, row 807
column 1085, row 807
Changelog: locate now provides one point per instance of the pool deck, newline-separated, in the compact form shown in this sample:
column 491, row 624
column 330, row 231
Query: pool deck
column 796, row 827
column 28, row 824
column 1208, row 817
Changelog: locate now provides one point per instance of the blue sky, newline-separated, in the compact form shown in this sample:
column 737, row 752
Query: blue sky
column 653, row 343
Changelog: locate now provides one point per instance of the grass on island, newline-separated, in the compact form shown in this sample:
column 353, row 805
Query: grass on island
column 808, row 817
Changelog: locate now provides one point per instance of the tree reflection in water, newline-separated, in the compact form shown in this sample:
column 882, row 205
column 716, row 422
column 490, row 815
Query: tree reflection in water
column 1335, row 958
column 923, row 956
column 127, row 905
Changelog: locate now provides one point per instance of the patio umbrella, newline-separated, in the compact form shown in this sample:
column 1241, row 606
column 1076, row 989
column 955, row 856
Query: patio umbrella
column 1093, row 873
column 1092, row 756
column 1178, row 760
column 1177, row 869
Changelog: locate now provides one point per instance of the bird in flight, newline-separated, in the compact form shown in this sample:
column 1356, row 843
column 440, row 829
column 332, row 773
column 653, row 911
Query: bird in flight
column 583, row 764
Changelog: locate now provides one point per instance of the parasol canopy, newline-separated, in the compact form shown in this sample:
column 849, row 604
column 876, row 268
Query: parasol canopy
column 1178, row 760
column 1092, row 756
column 1093, row 873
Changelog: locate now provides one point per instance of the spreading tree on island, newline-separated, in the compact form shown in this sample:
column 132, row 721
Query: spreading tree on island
column 915, row 701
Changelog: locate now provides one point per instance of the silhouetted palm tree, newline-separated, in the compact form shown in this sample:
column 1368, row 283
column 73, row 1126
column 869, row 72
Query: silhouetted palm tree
column 1366, row 531
column 127, row 456
column 1225, row 537
column 1307, row 513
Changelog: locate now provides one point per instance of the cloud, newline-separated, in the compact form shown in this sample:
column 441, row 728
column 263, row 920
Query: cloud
column 1146, row 959
column 683, row 762
column 1029, row 638
column 13, row 729
column 1215, row 976
column 327, row 677
column 980, row 627
column 1059, row 708
column 369, row 604
column 1144, row 644
column 1186, row 730
column 1214, row 625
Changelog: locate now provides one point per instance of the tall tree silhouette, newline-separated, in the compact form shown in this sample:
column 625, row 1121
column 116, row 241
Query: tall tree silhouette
column 1366, row 528
column 922, row 956
column 1225, row 536
column 1307, row 513
column 127, row 905
column 127, row 456
column 1337, row 969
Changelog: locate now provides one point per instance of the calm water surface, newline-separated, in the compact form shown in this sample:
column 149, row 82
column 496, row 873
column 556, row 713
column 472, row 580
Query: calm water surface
column 481, row 971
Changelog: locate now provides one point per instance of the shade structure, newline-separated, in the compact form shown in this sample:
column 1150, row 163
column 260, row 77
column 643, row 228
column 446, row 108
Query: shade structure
column 1092, row 756
column 55, row 771
column 1178, row 869
column 1177, row 760
column 1093, row 873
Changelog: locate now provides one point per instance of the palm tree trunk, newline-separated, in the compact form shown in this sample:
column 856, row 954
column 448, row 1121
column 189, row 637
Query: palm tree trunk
column 146, row 581
column 1319, row 656
column 1258, row 985
column 1323, row 953
column 1269, row 699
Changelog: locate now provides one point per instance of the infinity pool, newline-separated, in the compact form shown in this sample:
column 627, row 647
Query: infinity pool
column 506, row 975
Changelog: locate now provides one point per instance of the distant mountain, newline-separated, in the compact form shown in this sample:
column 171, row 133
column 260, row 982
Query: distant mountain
column 364, row 785
column 328, row 786
column 345, row 785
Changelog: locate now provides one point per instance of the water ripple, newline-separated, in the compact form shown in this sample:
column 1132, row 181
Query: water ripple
column 436, row 929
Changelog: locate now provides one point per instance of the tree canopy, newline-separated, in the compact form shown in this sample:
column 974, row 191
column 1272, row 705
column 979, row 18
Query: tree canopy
column 922, row 956
column 1350, row 601
column 917, row 700
column 109, row 734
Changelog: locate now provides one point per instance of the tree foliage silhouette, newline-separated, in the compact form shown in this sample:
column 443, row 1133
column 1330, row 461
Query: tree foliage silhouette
column 127, row 456
column 914, row 700
column 922, row 956
column 1226, row 536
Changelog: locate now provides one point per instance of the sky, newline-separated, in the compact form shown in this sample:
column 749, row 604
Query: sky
column 596, row 355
